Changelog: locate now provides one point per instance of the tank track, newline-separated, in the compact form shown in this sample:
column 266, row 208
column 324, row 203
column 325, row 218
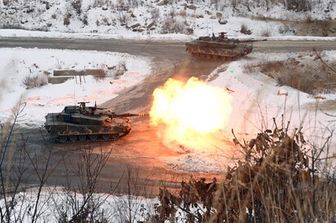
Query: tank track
column 85, row 137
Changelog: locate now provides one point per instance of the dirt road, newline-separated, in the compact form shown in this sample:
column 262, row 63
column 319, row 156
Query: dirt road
column 141, row 150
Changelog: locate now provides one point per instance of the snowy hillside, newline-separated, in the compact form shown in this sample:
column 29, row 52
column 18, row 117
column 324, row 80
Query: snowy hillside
column 164, row 17
column 21, row 66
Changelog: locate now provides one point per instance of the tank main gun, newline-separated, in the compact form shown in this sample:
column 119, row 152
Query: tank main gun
column 125, row 115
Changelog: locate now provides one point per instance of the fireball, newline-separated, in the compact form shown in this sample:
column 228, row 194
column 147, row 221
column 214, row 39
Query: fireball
column 191, row 114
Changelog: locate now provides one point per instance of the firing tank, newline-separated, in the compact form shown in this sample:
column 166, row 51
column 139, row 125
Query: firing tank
column 84, row 124
column 220, row 47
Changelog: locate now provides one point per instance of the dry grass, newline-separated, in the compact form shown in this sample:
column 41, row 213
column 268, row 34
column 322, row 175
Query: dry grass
column 308, row 76
column 245, row 30
column 171, row 25
column 276, row 181
column 35, row 81
column 266, row 33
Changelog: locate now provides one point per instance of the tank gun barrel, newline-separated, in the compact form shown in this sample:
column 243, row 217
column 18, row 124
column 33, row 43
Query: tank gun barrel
column 129, row 115
column 253, row 40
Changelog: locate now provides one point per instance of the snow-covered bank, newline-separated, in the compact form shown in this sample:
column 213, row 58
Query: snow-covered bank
column 18, row 63
column 57, row 204
column 13, row 33
column 164, row 19
column 256, row 100
column 259, row 98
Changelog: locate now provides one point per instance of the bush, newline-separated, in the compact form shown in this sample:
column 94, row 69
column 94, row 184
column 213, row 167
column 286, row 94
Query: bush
column 120, row 69
column 172, row 13
column 245, row 30
column 35, row 81
column 77, row 5
column 66, row 19
column 85, row 20
column 285, row 29
column 155, row 13
column 276, row 180
column 182, row 13
column 123, row 18
column 265, row 33
column 171, row 25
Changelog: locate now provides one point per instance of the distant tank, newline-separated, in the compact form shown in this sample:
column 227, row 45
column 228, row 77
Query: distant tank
column 83, row 123
column 219, row 47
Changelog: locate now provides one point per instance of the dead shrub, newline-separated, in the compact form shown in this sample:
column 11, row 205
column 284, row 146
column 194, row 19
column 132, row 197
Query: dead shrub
column 182, row 13
column 155, row 13
column 245, row 30
column 35, row 81
column 77, row 5
column 171, row 25
column 66, row 19
column 275, row 181
column 172, row 13
column 285, row 29
column 120, row 69
column 85, row 20
column 123, row 18
column 266, row 33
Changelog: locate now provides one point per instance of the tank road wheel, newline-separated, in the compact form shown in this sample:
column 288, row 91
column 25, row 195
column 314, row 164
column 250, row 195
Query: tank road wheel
column 82, row 138
column 73, row 138
column 62, row 139
column 114, row 137
column 93, row 138
column 106, row 137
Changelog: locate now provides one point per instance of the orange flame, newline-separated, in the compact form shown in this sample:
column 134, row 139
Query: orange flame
column 190, row 114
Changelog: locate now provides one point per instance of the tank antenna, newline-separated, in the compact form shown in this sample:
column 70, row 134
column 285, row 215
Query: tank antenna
column 75, row 93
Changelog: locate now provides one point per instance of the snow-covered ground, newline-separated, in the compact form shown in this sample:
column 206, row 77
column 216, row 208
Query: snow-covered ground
column 234, row 33
column 260, row 98
column 256, row 99
column 58, row 203
column 151, row 19
column 18, row 63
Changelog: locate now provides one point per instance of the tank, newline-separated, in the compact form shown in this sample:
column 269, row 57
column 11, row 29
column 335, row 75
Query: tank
column 219, row 47
column 87, row 124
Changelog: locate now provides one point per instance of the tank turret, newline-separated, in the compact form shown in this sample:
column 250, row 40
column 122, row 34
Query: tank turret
column 87, row 123
column 219, row 47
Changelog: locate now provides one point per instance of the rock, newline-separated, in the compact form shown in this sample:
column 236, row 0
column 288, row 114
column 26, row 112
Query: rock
column 150, row 25
column 189, row 31
column 30, row 10
column 219, row 15
column 134, row 25
column 138, row 29
column 222, row 21
column 163, row 2
column 192, row 7
column 199, row 16
column 208, row 12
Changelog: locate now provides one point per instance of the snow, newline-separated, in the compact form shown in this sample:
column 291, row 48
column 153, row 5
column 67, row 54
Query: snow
column 13, row 33
column 18, row 63
column 257, row 99
column 179, row 20
column 10, row 33
column 260, row 98
column 55, row 202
